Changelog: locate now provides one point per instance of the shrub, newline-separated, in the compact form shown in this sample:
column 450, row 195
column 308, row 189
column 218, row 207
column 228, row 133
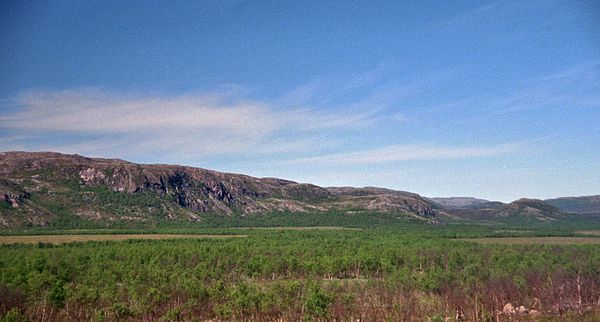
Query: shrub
column 13, row 315
column 317, row 302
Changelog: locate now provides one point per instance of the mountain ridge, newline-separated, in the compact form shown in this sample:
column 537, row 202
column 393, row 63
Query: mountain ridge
column 458, row 202
column 582, row 205
column 38, row 187
column 523, row 210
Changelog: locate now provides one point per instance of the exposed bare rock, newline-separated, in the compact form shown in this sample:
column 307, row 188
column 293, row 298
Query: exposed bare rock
column 12, row 194
column 530, row 208
column 458, row 202
column 13, row 199
column 276, row 204
column 380, row 199
column 522, row 310
column 509, row 309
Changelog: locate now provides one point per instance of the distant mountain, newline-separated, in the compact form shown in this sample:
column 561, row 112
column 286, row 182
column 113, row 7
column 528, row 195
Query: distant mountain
column 579, row 205
column 459, row 202
column 488, row 205
column 530, row 209
column 38, row 188
column 522, row 210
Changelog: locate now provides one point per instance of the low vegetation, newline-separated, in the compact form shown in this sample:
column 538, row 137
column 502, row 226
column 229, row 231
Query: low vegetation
column 404, row 273
column 61, row 239
column 535, row 240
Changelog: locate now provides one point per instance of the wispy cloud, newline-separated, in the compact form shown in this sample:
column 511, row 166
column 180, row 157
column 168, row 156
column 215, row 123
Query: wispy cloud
column 473, row 14
column 516, row 10
column 308, row 118
column 509, row 20
column 94, row 112
column 322, row 90
column 394, row 153
column 574, row 87
column 202, row 124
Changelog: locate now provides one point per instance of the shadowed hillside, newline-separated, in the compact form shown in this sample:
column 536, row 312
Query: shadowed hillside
column 580, row 205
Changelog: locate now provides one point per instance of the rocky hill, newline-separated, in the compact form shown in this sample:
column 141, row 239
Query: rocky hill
column 459, row 202
column 530, row 209
column 522, row 210
column 578, row 205
column 40, row 187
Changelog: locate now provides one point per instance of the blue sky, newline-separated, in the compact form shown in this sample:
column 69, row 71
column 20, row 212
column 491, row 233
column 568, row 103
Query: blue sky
column 498, row 100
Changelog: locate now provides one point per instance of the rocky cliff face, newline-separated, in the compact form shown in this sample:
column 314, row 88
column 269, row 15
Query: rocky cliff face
column 38, row 187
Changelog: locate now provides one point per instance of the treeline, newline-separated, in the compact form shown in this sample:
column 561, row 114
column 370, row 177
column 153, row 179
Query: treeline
column 373, row 275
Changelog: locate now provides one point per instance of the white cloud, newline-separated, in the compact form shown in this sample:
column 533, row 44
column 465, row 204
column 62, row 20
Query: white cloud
column 310, row 118
column 100, row 122
column 103, row 112
column 224, row 122
column 394, row 153
column 99, row 112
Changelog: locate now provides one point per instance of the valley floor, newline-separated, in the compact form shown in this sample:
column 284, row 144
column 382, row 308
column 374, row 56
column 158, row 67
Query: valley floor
column 61, row 239
column 534, row 240
column 405, row 273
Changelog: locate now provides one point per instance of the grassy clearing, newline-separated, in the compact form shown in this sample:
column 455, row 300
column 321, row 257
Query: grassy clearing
column 60, row 239
column 500, row 231
column 299, row 228
column 590, row 232
column 534, row 240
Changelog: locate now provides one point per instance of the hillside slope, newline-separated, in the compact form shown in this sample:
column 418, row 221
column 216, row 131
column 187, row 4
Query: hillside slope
column 41, row 187
column 579, row 205
column 459, row 202
column 530, row 209
column 519, row 211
